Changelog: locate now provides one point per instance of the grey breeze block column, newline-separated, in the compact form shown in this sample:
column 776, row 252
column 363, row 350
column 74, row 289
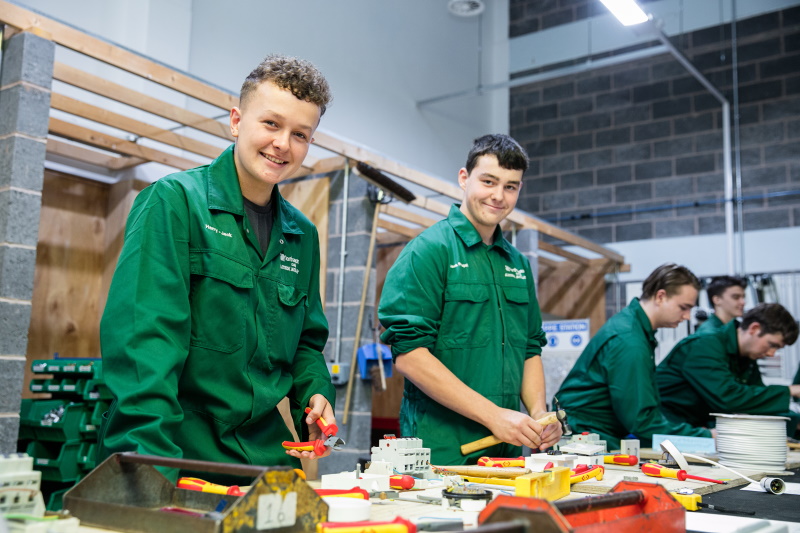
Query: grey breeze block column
column 26, row 74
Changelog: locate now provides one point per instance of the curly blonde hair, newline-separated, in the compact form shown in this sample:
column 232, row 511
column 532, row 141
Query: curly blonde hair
column 300, row 77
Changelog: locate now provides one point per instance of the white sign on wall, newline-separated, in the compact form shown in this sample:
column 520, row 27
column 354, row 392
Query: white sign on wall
column 565, row 335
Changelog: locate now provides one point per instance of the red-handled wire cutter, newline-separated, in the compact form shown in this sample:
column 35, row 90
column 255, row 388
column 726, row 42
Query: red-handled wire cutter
column 328, row 439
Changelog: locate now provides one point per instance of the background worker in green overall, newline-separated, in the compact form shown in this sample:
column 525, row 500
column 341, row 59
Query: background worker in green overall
column 726, row 295
column 460, row 311
column 214, row 311
column 716, row 371
column 611, row 390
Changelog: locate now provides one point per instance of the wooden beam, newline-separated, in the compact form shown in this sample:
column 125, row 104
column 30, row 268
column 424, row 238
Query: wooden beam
column 121, row 122
column 406, row 231
column 122, row 94
column 403, row 214
column 115, row 144
column 101, row 50
column 87, row 155
column 387, row 165
column 389, row 238
column 544, row 261
column 557, row 250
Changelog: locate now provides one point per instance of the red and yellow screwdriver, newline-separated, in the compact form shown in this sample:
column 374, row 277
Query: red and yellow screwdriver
column 656, row 470
column 621, row 459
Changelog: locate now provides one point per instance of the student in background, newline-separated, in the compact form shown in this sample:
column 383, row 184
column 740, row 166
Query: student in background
column 716, row 371
column 726, row 296
column 611, row 390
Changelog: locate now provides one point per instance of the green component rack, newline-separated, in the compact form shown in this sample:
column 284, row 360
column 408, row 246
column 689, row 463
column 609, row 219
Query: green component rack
column 61, row 433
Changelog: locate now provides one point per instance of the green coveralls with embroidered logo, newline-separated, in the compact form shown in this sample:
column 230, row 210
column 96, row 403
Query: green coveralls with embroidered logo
column 611, row 389
column 705, row 374
column 473, row 307
column 203, row 334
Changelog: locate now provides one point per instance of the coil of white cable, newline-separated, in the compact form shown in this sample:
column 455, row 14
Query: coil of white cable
column 751, row 441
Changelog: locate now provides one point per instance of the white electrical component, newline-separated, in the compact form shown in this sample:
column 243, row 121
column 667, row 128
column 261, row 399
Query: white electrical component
column 20, row 485
column 629, row 447
column 537, row 461
column 348, row 480
column 406, row 455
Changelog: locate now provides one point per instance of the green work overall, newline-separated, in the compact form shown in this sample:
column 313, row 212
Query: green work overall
column 704, row 374
column 611, row 390
column 473, row 307
column 203, row 334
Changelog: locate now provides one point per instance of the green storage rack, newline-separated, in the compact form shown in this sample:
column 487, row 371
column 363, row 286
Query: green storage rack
column 61, row 433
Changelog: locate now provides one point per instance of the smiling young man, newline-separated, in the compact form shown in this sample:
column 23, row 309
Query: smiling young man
column 611, row 390
column 726, row 295
column 214, row 311
column 716, row 371
column 460, row 311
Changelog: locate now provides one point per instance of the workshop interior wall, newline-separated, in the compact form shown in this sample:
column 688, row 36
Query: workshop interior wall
column 633, row 151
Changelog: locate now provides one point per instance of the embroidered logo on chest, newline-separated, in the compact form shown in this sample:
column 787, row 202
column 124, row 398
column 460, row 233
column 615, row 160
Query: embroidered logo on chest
column 516, row 273
column 289, row 263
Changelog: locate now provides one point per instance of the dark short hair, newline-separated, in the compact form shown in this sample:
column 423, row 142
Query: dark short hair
column 671, row 278
column 719, row 284
column 298, row 76
column 510, row 154
column 773, row 318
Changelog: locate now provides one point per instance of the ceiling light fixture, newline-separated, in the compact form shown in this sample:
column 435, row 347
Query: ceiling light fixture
column 465, row 8
column 627, row 12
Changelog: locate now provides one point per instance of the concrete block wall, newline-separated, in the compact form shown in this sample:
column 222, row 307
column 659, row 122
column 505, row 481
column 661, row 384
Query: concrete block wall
column 25, row 80
column 634, row 151
column 357, row 432
column 529, row 16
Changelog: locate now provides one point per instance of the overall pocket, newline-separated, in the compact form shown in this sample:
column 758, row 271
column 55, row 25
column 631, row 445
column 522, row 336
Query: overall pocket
column 220, row 289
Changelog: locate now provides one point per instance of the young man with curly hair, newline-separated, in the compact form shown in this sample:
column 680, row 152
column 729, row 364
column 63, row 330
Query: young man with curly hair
column 214, row 312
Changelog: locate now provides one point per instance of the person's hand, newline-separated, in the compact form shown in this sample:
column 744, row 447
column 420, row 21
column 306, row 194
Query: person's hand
column 794, row 390
column 551, row 434
column 516, row 428
column 320, row 407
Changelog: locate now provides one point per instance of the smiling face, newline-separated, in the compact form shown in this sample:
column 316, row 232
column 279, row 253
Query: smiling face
column 490, row 194
column 670, row 311
column 273, row 130
column 730, row 304
column 755, row 345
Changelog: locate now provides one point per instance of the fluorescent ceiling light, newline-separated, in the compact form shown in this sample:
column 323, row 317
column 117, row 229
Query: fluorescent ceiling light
column 627, row 12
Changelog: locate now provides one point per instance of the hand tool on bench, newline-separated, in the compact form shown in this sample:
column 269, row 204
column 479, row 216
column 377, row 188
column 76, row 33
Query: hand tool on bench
column 559, row 416
column 656, row 470
column 201, row 485
column 328, row 440
column 586, row 473
column 501, row 462
column 621, row 459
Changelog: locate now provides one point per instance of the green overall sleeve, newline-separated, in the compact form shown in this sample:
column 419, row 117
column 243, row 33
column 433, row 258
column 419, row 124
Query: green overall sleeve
column 634, row 398
column 708, row 371
column 145, row 328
